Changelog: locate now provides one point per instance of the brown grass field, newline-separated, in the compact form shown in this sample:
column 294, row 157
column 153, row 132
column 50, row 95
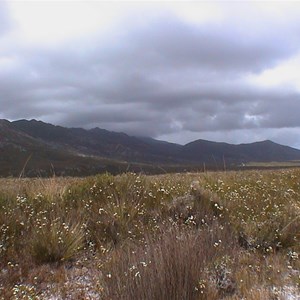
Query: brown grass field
column 215, row 235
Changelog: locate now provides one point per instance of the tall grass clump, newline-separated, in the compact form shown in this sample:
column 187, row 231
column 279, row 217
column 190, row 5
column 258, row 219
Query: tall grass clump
column 174, row 266
column 56, row 241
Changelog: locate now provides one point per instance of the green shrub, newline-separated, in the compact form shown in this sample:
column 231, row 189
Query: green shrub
column 56, row 241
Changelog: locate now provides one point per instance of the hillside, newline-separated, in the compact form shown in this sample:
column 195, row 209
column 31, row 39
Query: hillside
column 264, row 151
column 77, row 151
column 43, row 152
column 98, row 142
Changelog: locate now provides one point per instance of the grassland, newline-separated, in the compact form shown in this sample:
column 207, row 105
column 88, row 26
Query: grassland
column 219, row 235
column 274, row 164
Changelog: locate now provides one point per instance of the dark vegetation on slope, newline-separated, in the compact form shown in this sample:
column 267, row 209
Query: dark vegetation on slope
column 44, row 148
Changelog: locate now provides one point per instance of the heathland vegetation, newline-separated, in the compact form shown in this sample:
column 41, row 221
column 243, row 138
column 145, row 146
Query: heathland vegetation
column 216, row 235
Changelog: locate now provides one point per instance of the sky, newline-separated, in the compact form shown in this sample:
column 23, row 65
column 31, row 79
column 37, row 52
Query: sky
column 176, row 71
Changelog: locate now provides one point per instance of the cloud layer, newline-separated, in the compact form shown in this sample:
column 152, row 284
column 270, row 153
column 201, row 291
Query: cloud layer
column 160, row 75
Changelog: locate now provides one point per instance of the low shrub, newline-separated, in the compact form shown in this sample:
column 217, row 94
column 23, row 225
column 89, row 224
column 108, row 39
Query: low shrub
column 173, row 267
column 56, row 241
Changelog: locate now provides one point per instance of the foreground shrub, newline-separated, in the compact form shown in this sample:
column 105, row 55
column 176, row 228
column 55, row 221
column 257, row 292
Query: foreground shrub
column 56, row 241
column 173, row 267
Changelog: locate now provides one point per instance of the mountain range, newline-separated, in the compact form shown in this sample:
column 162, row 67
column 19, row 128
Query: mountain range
column 35, row 148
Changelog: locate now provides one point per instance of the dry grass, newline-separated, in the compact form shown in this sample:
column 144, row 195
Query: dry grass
column 175, row 266
column 56, row 241
column 232, row 235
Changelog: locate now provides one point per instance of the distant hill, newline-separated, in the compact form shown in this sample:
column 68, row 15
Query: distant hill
column 41, row 147
column 98, row 142
column 264, row 151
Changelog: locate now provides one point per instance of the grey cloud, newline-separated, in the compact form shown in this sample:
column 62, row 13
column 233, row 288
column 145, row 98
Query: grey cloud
column 5, row 22
column 169, row 42
column 157, row 79
column 280, row 111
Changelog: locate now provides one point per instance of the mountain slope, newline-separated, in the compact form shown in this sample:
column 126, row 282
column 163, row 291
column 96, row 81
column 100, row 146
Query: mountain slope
column 214, row 152
column 97, row 142
column 77, row 151
column 21, row 152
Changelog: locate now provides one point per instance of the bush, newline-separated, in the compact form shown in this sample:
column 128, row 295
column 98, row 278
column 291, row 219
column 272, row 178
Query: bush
column 56, row 241
column 172, row 267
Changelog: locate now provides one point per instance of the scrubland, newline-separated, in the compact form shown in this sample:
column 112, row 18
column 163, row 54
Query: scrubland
column 219, row 235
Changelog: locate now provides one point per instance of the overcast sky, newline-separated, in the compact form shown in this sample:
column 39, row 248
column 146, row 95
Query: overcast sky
column 177, row 71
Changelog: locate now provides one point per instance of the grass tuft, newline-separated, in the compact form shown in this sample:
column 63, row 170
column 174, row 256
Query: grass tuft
column 56, row 241
column 172, row 267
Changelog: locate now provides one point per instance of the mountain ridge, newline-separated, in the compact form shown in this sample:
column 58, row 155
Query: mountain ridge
column 98, row 150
